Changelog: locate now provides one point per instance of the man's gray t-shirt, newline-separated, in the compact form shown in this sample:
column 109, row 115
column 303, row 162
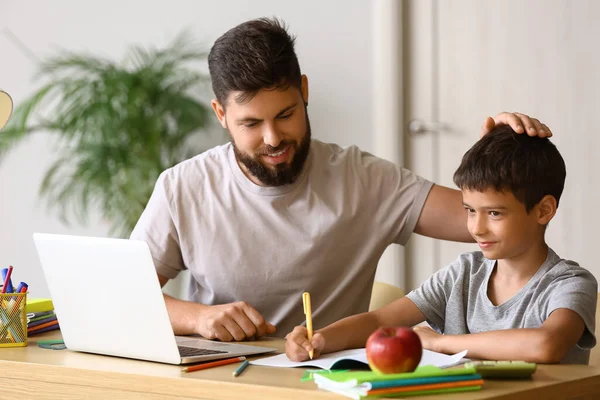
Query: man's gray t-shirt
column 324, row 233
column 455, row 301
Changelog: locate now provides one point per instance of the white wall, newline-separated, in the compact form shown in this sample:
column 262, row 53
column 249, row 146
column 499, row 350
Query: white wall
column 333, row 45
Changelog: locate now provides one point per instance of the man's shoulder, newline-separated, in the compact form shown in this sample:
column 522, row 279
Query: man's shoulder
column 327, row 150
column 208, row 164
column 337, row 155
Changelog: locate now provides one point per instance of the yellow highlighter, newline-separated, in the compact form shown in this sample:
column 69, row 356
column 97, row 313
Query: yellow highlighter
column 308, row 313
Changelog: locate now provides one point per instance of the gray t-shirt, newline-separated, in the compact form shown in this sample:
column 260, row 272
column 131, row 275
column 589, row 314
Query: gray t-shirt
column 455, row 301
column 324, row 233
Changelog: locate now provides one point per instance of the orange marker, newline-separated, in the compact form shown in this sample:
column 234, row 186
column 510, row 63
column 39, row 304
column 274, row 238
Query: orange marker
column 213, row 364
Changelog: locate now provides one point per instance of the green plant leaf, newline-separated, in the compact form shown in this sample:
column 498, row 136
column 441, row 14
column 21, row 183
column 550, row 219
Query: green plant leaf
column 118, row 125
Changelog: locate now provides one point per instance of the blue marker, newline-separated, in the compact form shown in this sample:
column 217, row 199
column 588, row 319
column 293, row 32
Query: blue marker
column 9, row 286
column 21, row 286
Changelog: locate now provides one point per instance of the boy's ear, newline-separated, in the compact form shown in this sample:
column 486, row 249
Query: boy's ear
column 546, row 209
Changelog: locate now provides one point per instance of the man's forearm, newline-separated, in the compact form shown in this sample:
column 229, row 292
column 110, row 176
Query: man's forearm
column 532, row 345
column 183, row 315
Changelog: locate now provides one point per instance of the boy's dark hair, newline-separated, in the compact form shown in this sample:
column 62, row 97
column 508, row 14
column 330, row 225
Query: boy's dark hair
column 528, row 167
column 258, row 54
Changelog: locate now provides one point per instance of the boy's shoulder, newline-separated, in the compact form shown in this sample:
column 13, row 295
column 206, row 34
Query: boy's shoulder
column 557, row 269
column 473, row 261
column 468, row 264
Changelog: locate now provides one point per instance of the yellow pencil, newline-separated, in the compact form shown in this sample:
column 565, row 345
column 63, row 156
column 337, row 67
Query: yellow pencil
column 308, row 312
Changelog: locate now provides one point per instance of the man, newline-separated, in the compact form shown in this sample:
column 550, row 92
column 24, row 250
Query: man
column 275, row 213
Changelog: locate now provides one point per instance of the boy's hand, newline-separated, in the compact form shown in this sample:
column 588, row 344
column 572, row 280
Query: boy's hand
column 429, row 338
column 520, row 123
column 297, row 345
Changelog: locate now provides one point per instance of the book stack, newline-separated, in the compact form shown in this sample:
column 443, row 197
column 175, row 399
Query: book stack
column 40, row 316
column 424, row 380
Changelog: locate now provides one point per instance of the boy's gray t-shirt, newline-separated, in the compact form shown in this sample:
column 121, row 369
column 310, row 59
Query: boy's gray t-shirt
column 455, row 301
column 323, row 234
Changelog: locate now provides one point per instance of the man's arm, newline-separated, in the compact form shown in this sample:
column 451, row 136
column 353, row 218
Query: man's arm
column 226, row 322
column 443, row 216
column 546, row 344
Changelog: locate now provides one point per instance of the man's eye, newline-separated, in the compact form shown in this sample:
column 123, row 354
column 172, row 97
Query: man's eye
column 495, row 213
column 251, row 124
column 470, row 210
column 286, row 116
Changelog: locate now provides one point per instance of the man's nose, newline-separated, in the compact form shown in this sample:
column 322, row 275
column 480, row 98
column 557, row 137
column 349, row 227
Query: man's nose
column 271, row 136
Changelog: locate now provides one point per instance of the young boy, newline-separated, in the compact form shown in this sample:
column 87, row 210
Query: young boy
column 513, row 300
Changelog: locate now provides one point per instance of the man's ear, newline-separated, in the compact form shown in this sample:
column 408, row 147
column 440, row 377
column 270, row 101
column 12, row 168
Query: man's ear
column 219, row 112
column 304, row 89
column 546, row 209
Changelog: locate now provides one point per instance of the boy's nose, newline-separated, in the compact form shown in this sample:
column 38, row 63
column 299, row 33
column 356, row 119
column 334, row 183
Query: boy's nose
column 479, row 226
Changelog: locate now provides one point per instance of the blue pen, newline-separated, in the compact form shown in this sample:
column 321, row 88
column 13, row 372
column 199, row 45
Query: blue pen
column 9, row 286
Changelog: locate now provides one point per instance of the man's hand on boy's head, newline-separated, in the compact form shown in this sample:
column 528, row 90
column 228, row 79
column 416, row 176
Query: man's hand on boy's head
column 520, row 123
column 297, row 345
column 429, row 338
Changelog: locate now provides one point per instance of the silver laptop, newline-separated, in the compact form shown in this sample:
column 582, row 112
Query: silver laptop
column 108, row 300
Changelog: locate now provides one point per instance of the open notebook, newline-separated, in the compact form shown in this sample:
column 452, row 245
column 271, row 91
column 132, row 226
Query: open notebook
column 357, row 358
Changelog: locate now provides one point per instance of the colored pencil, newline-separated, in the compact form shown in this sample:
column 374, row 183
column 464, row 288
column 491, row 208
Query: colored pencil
column 213, row 364
column 241, row 368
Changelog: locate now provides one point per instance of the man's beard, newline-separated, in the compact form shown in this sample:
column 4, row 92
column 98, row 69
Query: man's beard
column 280, row 174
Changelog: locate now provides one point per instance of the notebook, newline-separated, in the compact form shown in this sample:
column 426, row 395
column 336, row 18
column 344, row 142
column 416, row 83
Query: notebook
column 357, row 358
column 426, row 379
column 108, row 300
column 39, row 305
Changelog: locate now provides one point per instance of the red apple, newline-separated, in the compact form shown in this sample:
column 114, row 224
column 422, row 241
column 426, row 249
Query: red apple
column 394, row 350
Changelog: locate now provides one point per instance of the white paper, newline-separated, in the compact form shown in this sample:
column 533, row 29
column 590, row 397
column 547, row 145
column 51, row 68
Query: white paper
column 326, row 361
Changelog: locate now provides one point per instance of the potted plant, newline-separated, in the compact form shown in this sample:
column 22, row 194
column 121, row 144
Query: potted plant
column 118, row 127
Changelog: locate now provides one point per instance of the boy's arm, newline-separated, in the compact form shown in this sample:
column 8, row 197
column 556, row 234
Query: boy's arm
column 353, row 332
column 546, row 344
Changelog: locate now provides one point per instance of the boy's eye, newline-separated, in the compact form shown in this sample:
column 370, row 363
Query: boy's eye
column 470, row 210
column 495, row 213
column 286, row 116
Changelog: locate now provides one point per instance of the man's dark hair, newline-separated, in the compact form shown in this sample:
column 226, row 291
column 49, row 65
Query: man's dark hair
column 528, row 167
column 255, row 55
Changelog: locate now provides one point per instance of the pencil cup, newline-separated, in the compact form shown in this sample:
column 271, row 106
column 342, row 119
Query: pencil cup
column 13, row 319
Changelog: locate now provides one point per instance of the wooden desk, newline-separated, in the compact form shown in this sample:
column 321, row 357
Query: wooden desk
column 33, row 372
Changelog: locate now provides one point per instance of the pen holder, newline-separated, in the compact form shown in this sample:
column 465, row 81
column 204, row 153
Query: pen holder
column 13, row 319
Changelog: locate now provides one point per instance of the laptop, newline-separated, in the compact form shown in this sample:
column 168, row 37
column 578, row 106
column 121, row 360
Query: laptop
column 108, row 300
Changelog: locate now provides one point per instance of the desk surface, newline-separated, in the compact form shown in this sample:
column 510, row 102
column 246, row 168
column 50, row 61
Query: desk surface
column 32, row 371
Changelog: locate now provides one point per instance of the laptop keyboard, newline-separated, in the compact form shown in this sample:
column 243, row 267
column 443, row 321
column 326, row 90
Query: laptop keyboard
column 185, row 351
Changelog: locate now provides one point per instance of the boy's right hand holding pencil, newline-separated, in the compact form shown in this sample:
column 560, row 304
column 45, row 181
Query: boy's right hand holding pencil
column 297, row 345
